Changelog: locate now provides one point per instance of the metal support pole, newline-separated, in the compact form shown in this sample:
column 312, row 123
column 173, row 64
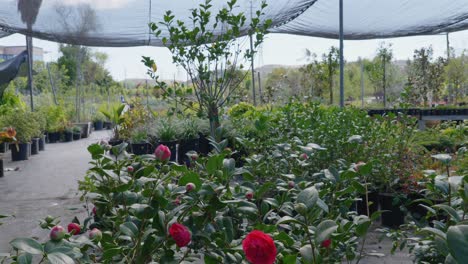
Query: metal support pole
column 449, row 88
column 52, row 84
column 253, row 72
column 362, row 82
column 30, row 69
column 341, row 56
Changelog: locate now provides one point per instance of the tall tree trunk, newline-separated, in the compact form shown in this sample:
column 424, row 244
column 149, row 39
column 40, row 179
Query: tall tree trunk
column 213, row 115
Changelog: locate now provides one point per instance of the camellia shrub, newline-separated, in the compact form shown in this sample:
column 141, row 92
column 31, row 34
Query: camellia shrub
column 147, row 210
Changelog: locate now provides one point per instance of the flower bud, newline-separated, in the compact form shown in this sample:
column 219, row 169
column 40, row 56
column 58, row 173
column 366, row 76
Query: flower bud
column 300, row 208
column 74, row 228
column 95, row 235
column 57, row 233
column 249, row 196
column 291, row 184
column 303, row 156
column 189, row 187
column 130, row 169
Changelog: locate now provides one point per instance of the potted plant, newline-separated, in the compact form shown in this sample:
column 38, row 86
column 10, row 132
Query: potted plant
column 42, row 121
column 189, row 138
column 139, row 142
column 76, row 133
column 98, row 121
column 26, row 127
column 167, row 134
column 56, row 122
column 68, row 134
column 115, row 116
column 8, row 135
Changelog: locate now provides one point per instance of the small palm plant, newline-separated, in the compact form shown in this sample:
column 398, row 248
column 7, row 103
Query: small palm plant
column 116, row 116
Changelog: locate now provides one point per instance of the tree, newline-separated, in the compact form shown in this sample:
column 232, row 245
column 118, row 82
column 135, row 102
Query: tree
column 331, row 60
column 207, row 49
column 378, row 68
column 457, row 75
column 425, row 76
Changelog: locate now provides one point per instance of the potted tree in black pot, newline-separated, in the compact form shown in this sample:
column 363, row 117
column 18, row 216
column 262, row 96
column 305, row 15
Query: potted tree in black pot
column 166, row 131
column 41, row 118
column 189, row 139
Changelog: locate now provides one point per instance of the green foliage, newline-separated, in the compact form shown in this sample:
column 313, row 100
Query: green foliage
column 25, row 124
column 240, row 109
column 56, row 117
column 212, row 67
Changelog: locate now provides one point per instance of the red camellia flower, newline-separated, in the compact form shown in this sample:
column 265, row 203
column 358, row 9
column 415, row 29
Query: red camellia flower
column 181, row 234
column 259, row 248
column 57, row 233
column 74, row 228
column 326, row 243
column 162, row 153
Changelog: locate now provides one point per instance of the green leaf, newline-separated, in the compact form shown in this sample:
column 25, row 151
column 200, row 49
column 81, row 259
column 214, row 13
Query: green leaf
column 129, row 229
column 457, row 241
column 27, row 245
column 306, row 253
column 434, row 231
column 288, row 219
column 290, row 259
column 308, row 197
column 59, row 258
column 25, row 258
column 285, row 238
column 449, row 210
column 324, row 230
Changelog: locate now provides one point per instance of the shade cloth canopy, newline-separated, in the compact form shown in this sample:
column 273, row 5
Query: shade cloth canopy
column 125, row 22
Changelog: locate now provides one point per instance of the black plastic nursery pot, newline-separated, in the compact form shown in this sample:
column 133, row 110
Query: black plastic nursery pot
column 67, row 136
column 172, row 145
column 394, row 216
column 107, row 125
column 361, row 206
column 141, row 148
column 53, row 137
column 76, row 136
column 115, row 142
column 204, row 144
column 35, row 146
column 1, row 168
column 3, row 147
column 98, row 125
column 186, row 146
column 20, row 151
column 42, row 142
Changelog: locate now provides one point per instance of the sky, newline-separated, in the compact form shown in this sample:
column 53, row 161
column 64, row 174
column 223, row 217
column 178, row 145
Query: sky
column 277, row 49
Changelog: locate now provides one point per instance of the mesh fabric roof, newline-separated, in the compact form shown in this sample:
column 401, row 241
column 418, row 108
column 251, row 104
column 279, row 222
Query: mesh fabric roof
column 125, row 22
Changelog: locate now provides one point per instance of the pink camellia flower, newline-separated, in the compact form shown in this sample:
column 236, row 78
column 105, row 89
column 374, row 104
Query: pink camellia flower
column 259, row 248
column 190, row 187
column 303, row 156
column 249, row 195
column 130, row 169
column 95, row 235
column 181, row 234
column 74, row 228
column 57, row 233
column 326, row 243
column 94, row 211
column 162, row 153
